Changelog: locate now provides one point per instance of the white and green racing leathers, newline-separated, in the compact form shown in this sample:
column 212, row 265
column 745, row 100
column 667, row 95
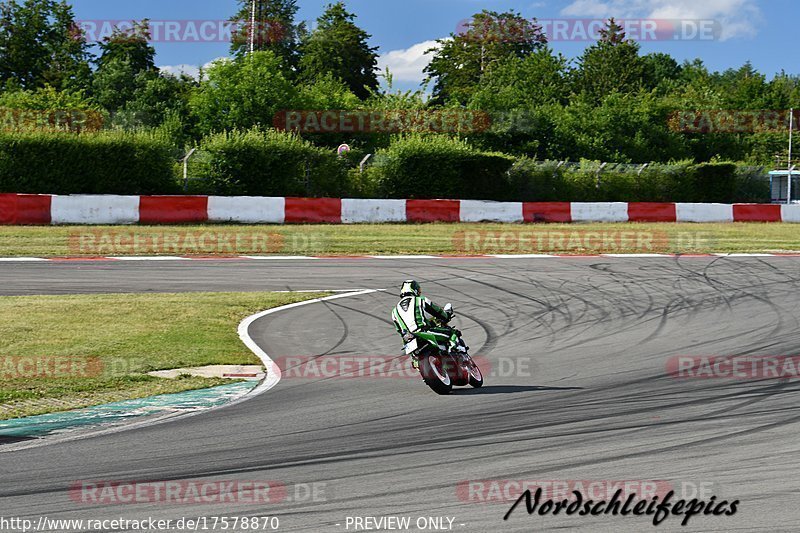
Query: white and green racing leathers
column 412, row 313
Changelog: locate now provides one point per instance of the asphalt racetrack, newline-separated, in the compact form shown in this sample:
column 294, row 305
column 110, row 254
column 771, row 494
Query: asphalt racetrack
column 578, row 392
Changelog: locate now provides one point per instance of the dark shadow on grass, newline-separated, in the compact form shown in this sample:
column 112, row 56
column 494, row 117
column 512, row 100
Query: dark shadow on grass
column 511, row 389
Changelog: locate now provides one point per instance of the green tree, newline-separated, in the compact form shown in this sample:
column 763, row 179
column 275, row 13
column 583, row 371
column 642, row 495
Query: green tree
column 40, row 44
column 611, row 65
column 131, row 45
column 695, row 73
column 115, row 84
column 661, row 72
column 626, row 128
column 743, row 88
column 52, row 110
column 460, row 61
column 129, row 86
column 45, row 99
column 783, row 92
column 540, row 78
column 393, row 99
column 242, row 93
column 522, row 95
column 696, row 88
column 338, row 47
column 275, row 30
column 126, row 62
column 701, row 90
column 326, row 92
column 160, row 98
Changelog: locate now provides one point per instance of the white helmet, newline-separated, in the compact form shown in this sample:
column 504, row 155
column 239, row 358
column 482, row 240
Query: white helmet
column 410, row 288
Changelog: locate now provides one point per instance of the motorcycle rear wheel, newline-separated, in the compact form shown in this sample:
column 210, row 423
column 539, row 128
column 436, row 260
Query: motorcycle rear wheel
column 435, row 374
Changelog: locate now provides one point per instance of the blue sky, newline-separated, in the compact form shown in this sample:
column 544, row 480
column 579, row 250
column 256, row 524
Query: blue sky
column 760, row 31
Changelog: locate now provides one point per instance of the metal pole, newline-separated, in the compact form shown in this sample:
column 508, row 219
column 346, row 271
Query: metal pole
column 560, row 164
column 364, row 163
column 253, row 27
column 186, row 169
column 597, row 176
column 791, row 131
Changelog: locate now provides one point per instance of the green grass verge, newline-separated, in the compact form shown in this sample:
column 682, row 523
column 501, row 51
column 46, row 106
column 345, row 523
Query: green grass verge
column 94, row 349
column 394, row 239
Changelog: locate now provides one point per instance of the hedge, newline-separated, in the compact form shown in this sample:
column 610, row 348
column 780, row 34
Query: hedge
column 112, row 162
column 682, row 182
column 272, row 163
column 440, row 167
column 269, row 163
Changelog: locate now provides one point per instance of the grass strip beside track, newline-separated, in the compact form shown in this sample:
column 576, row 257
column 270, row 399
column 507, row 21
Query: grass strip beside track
column 377, row 239
column 65, row 352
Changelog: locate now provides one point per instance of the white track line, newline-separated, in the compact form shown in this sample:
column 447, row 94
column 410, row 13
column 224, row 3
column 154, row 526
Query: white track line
column 333, row 257
column 148, row 258
column 273, row 370
column 268, row 383
column 277, row 257
column 403, row 257
column 637, row 255
column 743, row 255
column 303, row 291
column 520, row 256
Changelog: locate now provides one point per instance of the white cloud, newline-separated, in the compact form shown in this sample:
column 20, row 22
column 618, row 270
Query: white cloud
column 587, row 8
column 176, row 70
column 190, row 70
column 738, row 18
column 408, row 64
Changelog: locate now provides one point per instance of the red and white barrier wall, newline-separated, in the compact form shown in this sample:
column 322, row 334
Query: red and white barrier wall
column 18, row 209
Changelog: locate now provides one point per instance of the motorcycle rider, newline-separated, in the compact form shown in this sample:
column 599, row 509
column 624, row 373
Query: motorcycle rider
column 412, row 313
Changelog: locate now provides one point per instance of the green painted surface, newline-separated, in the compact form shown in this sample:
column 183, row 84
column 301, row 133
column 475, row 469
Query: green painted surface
column 37, row 426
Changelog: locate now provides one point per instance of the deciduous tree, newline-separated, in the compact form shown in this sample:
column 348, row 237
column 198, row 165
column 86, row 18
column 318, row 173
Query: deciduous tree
column 460, row 61
column 40, row 44
column 338, row 47
column 275, row 30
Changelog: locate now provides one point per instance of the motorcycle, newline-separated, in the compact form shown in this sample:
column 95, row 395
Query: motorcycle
column 443, row 366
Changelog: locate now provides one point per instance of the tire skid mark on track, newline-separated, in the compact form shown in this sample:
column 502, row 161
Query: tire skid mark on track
column 602, row 334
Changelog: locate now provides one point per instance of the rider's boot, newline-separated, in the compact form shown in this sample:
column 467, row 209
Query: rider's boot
column 460, row 350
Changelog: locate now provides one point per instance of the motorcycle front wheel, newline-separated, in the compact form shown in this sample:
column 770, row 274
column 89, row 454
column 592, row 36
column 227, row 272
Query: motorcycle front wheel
column 475, row 375
column 435, row 374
